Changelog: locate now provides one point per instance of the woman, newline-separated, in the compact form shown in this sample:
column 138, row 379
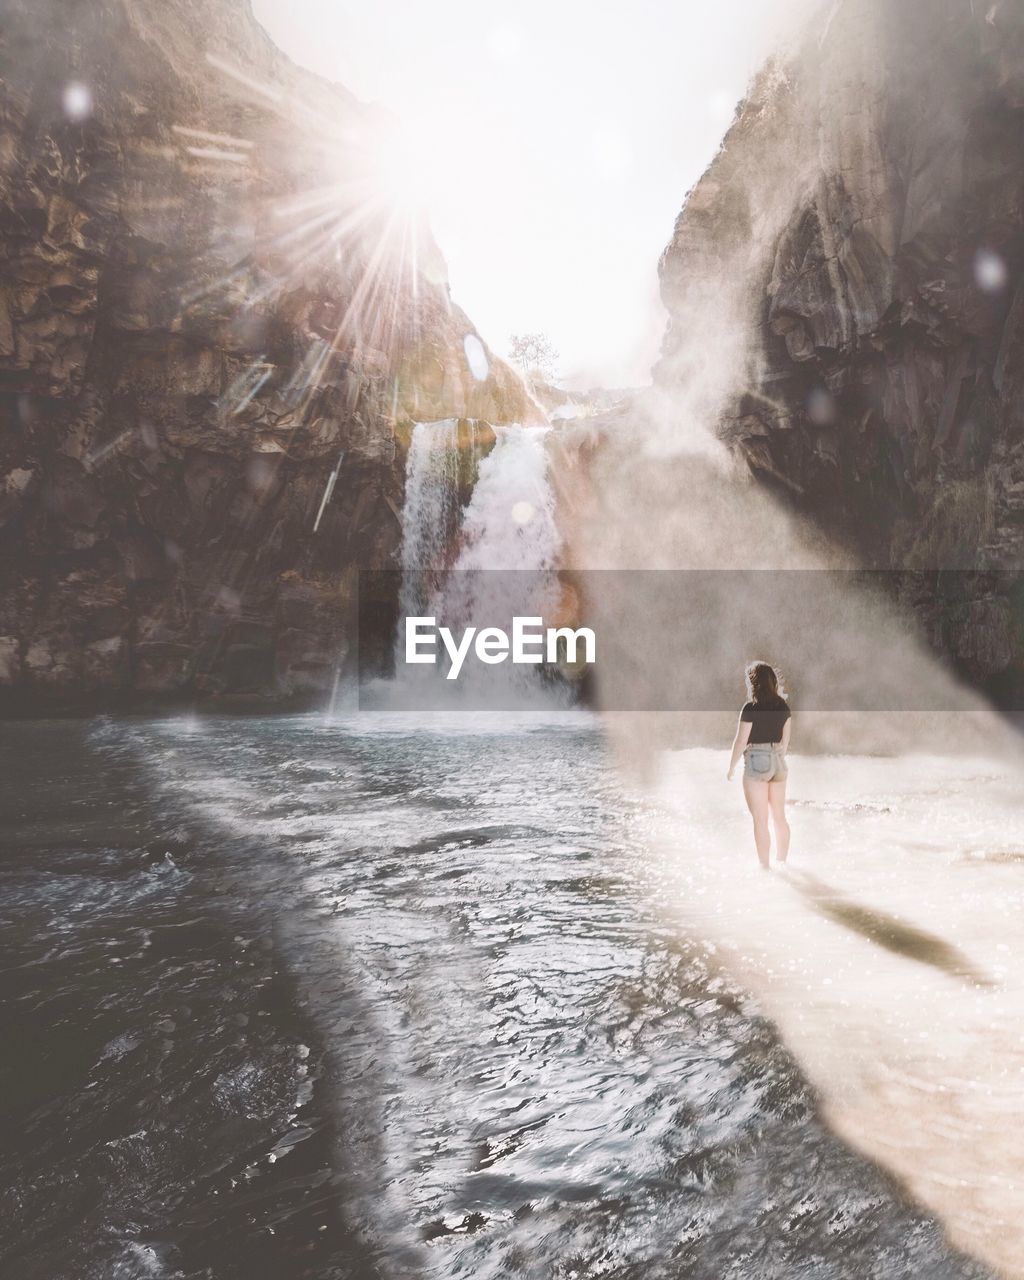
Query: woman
column 762, row 737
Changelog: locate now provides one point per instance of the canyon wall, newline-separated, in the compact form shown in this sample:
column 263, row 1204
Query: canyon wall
column 846, row 301
column 211, row 303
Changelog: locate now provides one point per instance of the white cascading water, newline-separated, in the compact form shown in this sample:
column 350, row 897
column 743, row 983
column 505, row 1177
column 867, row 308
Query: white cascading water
column 431, row 494
column 503, row 549
column 510, row 520
column 430, row 514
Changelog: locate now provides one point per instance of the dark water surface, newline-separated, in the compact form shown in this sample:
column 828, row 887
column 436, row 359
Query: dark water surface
column 386, row 997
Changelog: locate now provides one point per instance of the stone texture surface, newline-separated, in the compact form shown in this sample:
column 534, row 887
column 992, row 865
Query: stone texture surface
column 853, row 259
column 207, row 305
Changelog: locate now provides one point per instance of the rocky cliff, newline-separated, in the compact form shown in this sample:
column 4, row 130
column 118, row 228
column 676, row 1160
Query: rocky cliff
column 215, row 327
column 846, row 296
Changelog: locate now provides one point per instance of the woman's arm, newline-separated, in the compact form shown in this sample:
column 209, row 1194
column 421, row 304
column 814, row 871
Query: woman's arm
column 785, row 734
column 739, row 742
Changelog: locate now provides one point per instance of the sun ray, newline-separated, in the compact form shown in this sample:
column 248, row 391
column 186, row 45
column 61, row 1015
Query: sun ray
column 358, row 217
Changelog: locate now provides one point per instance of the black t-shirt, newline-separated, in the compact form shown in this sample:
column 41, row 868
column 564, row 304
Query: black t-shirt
column 767, row 720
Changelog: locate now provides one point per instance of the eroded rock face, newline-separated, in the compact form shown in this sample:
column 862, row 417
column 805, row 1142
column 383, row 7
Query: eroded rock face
column 853, row 259
column 207, row 309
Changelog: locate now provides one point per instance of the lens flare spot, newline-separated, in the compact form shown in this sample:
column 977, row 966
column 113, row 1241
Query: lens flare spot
column 476, row 357
column 77, row 101
column 821, row 408
column 523, row 512
column 989, row 271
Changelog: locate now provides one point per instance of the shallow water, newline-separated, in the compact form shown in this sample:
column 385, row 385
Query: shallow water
column 392, row 996
column 888, row 956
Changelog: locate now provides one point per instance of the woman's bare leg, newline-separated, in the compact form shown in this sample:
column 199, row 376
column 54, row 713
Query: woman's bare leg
column 777, row 804
column 756, row 794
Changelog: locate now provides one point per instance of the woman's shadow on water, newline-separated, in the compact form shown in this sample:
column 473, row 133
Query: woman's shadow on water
column 887, row 931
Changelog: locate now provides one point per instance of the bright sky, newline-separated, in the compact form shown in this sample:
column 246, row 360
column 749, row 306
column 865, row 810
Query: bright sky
column 555, row 141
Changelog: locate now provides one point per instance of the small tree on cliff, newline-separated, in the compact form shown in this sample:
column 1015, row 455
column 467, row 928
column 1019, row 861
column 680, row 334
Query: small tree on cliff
column 535, row 355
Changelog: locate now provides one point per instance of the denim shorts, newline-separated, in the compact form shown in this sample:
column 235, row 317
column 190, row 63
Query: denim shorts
column 764, row 762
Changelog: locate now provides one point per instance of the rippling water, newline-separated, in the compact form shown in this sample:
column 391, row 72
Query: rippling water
column 390, row 996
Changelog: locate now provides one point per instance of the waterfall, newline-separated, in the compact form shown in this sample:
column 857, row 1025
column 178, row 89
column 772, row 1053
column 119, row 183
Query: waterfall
column 495, row 557
column 509, row 521
column 430, row 514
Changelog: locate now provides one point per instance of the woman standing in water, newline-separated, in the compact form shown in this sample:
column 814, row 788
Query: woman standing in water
column 762, row 737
